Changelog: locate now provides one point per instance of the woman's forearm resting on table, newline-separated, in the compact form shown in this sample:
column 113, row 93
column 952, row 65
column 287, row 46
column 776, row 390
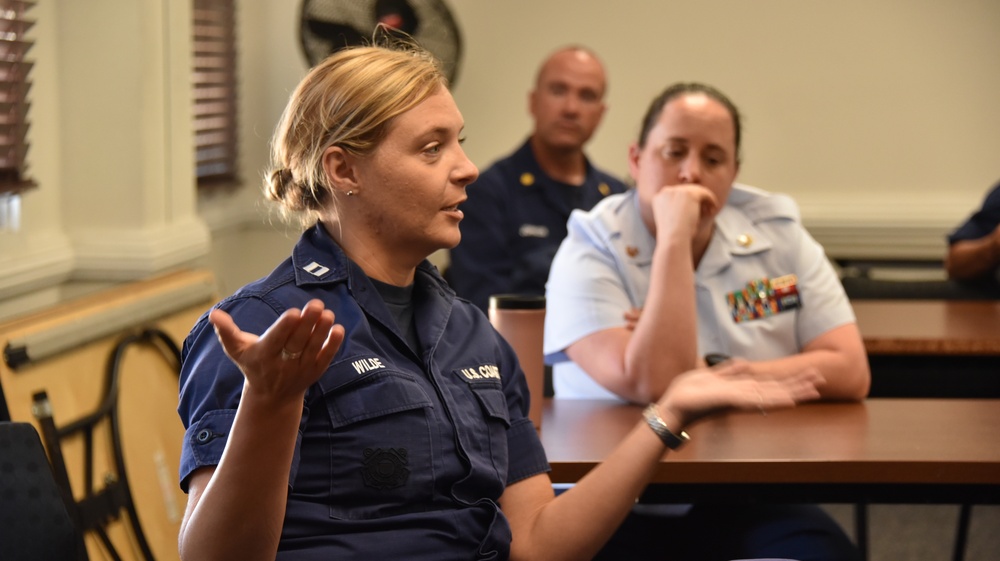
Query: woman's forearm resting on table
column 839, row 355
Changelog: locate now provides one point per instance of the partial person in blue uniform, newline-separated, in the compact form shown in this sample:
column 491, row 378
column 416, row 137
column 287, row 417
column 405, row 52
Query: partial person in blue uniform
column 974, row 247
column 690, row 264
column 348, row 406
column 516, row 214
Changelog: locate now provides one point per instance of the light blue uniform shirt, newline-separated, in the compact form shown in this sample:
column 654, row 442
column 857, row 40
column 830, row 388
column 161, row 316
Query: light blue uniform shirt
column 602, row 269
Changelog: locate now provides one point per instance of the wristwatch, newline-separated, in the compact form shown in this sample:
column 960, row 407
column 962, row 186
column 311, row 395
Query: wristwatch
column 655, row 422
column 712, row 359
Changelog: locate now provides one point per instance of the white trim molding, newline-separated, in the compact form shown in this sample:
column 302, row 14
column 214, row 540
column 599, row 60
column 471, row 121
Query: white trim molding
column 887, row 226
column 881, row 241
column 46, row 262
column 104, row 254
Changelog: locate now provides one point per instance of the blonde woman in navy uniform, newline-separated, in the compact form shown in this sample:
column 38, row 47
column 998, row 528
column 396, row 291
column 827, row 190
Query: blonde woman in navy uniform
column 348, row 405
column 691, row 264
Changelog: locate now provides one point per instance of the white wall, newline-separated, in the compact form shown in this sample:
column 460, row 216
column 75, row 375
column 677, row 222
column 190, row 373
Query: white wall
column 879, row 117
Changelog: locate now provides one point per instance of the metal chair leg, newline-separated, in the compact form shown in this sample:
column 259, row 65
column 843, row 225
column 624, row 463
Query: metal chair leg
column 861, row 528
column 962, row 532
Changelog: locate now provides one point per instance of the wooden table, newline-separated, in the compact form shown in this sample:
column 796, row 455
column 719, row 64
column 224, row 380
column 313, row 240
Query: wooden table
column 932, row 348
column 881, row 450
column 929, row 327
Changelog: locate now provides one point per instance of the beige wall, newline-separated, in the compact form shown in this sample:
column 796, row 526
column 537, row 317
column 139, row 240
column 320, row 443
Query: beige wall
column 879, row 117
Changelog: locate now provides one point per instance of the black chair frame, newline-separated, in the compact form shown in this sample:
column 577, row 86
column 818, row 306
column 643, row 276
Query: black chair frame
column 99, row 507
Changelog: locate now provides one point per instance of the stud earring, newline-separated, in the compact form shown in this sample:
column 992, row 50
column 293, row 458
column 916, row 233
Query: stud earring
column 350, row 193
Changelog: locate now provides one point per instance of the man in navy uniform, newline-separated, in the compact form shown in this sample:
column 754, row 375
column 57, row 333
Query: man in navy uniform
column 517, row 210
column 974, row 247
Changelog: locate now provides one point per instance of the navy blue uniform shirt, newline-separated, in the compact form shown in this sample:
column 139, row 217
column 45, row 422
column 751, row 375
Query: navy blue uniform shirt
column 515, row 219
column 401, row 453
column 983, row 222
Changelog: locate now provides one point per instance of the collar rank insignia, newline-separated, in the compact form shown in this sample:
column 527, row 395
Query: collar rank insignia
column 316, row 269
column 527, row 179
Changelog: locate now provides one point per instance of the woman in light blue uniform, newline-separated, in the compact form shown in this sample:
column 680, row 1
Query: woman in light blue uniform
column 691, row 264
column 349, row 406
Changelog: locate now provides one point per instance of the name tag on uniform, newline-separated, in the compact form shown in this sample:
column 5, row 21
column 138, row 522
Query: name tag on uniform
column 533, row 231
column 368, row 364
column 479, row 372
column 762, row 298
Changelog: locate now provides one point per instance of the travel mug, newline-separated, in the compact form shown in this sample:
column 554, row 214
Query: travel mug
column 520, row 318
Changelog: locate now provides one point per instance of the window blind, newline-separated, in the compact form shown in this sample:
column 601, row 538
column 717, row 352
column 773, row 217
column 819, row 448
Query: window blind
column 14, row 86
column 215, row 91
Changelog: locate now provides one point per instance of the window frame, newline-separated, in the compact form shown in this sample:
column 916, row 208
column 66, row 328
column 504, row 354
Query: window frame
column 215, row 93
column 15, row 85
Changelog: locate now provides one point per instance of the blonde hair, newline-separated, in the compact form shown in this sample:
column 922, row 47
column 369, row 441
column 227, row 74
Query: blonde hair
column 348, row 100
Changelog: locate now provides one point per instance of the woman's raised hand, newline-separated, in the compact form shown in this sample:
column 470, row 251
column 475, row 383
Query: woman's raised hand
column 289, row 357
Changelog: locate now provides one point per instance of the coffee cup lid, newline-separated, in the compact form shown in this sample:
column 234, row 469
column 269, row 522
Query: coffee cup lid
column 517, row 302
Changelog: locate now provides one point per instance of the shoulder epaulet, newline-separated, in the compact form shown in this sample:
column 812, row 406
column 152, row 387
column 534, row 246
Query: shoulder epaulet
column 760, row 206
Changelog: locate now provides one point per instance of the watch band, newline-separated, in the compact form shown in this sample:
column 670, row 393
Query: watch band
column 712, row 359
column 655, row 422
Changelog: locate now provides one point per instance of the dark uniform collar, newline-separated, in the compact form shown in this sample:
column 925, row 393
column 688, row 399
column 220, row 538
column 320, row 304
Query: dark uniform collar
column 525, row 157
column 318, row 260
column 531, row 176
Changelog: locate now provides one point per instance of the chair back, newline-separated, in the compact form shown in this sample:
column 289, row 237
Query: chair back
column 34, row 521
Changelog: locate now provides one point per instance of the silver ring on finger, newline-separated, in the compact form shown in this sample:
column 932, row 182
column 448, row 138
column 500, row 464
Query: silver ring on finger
column 285, row 355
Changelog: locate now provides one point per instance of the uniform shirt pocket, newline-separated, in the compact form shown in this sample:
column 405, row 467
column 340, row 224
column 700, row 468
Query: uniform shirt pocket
column 380, row 446
column 488, row 427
